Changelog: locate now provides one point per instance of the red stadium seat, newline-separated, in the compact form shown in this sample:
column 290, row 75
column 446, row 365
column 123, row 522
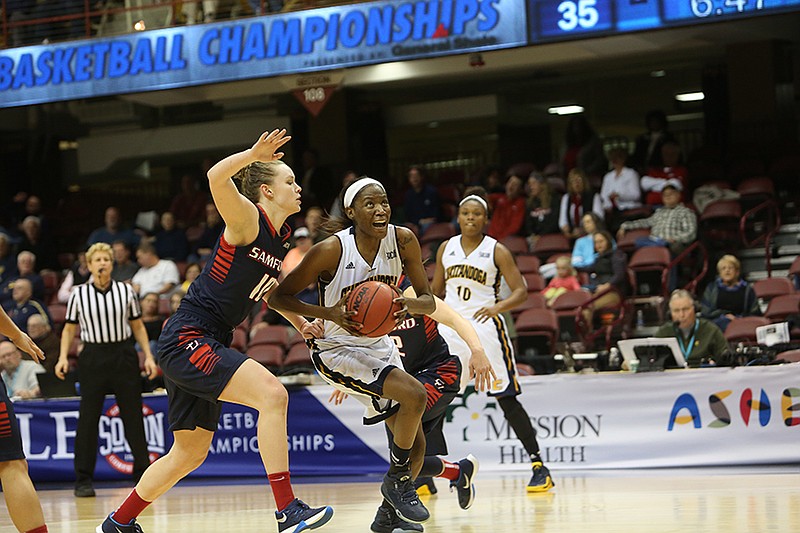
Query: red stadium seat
column 516, row 244
column 299, row 356
column 277, row 335
column 269, row 355
column 628, row 241
column 791, row 356
column 548, row 245
column 782, row 306
column 743, row 329
column 438, row 231
column 535, row 300
column 535, row 281
column 768, row 288
column 538, row 323
column 528, row 264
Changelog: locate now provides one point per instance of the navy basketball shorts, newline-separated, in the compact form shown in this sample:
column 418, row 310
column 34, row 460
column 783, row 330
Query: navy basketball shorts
column 10, row 439
column 197, row 362
column 441, row 384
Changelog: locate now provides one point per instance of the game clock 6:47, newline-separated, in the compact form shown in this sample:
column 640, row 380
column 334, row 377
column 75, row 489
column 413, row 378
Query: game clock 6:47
column 687, row 10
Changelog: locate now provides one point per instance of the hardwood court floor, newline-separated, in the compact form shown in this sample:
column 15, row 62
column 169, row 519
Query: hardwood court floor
column 729, row 500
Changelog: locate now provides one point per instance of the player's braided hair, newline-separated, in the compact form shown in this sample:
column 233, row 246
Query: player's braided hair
column 250, row 178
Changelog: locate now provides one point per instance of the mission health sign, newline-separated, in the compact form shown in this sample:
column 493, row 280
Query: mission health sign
column 668, row 419
column 306, row 41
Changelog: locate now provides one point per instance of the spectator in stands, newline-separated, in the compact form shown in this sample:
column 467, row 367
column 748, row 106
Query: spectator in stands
column 78, row 273
column 153, row 321
column 564, row 280
column 26, row 269
column 8, row 259
column 422, row 205
column 155, row 274
column 175, row 300
column 579, row 200
column 319, row 186
column 171, row 241
column 208, row 239
column 313, row 220
column 582, row 149
column 188, row 11
column 672, row 172
column 189, row 205
column 508, row 215
column 113, row 230
column 33, row 241
column 701, row 342
column 673, row 226
column 491, row 179
column 336, row 210
column 33, row 208
column 620, row 190
column 609, row 271
column 24, row 305
column 583, row 251
column 542, row 209
column 728, row 296
column 302, row 244
column 189, row 275
column 43, row 335
column 647, row 153
column 19, row 377
column 124, row 267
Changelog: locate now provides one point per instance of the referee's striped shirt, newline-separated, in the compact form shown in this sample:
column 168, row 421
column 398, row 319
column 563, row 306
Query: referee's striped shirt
column 103, row 315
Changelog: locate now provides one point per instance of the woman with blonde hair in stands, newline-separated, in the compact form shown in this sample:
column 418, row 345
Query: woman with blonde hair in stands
column 728, row 296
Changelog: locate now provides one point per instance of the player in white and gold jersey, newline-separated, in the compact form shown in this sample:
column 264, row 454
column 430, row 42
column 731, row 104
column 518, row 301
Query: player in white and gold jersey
column 469, row 270
column 369, row 369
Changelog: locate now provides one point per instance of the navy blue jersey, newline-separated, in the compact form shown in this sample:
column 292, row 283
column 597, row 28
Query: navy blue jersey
column 236, row 277
column 420, row 344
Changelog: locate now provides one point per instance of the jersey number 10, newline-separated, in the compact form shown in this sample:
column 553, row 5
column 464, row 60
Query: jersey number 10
column 266, row 284
column 464, row 293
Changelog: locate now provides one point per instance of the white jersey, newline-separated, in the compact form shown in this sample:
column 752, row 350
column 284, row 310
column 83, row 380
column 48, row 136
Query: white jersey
column 352, row 270
column 473, row 281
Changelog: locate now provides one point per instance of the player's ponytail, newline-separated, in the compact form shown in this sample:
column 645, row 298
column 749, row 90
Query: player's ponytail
column 250, row 178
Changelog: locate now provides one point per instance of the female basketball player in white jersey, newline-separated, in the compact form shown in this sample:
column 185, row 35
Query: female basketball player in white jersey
column 368, row 368
column 469, row 270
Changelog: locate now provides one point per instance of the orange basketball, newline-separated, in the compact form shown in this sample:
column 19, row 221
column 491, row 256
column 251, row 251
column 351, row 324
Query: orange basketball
column 373, row 303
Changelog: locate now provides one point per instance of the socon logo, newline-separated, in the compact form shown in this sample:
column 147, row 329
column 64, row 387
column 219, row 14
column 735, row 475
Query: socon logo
column 113, row 445
column 686, row 410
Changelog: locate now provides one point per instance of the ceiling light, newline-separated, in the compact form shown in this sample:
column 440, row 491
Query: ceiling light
column 139, row 25
column 690, row 97
column 658, row 73
column 565, row 109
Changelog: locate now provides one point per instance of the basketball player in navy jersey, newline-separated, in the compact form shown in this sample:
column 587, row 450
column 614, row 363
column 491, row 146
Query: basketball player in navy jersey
column 426, row 357
column 369, row 369
column 20, row 495
column 200, row 369
column 468, row 275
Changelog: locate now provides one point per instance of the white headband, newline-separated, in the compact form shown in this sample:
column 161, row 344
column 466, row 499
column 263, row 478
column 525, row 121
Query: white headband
column 477, row 199
column 356, row 187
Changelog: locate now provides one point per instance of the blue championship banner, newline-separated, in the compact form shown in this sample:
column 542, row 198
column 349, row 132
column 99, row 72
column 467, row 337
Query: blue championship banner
column 285, row 43
column 698, row 417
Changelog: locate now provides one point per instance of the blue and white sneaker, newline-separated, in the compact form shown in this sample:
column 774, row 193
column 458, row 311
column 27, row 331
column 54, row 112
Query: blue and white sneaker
column 112, row 526
column 464, row 488
column 297, row 517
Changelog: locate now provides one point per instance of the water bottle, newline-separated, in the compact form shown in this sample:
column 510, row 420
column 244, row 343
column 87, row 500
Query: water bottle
column 640, row 318
column 614, row 358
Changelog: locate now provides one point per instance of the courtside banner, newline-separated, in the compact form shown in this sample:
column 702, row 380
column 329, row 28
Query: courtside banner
column 286, row 43
column 702, row 417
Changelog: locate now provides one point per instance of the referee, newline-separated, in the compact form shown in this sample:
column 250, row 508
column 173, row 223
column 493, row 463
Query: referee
column 109, row 316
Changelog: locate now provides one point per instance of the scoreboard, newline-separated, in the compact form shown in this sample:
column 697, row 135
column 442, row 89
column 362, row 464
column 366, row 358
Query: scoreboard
column 560, row 20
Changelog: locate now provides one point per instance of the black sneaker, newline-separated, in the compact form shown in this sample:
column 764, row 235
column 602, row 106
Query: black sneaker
column 398, row 489
column 387, row 521
column 468, row 467
column 84, row 491
column 541, row 480
column 298, row 517
column 425, row 486
column 112, row 526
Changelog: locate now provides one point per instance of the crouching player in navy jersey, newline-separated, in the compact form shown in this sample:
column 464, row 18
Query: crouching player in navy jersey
column 200, row 369
column 426, row 356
